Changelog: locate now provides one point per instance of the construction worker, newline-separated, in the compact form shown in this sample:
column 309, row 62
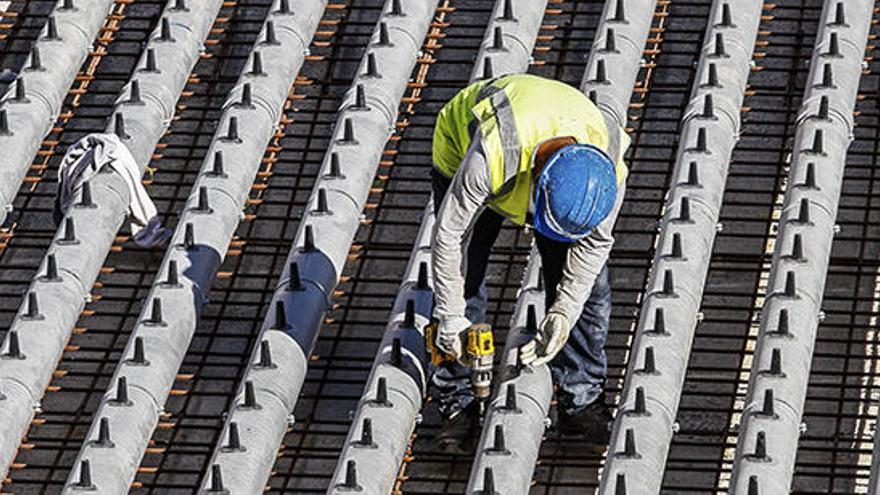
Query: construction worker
column 539, row 153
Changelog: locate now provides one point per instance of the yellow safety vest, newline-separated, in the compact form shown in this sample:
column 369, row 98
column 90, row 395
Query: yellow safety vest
column 514, row 115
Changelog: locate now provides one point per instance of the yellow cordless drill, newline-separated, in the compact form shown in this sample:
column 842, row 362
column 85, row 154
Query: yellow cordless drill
column 479, row 355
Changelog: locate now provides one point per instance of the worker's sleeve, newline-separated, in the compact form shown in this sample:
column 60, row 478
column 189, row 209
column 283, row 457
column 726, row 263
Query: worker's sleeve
column 469, row 190
column 585, row 261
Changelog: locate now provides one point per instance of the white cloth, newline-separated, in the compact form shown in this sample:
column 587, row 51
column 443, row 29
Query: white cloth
column 85, row 159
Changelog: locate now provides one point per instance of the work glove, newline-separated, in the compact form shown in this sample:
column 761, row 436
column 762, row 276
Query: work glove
column 550, row 339
column 451, row 332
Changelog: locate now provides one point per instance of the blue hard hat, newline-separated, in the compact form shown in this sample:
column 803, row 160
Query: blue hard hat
column 574, row 193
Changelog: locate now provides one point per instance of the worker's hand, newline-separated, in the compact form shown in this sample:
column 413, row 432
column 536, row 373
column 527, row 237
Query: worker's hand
column 451, row 332
column 549, row 340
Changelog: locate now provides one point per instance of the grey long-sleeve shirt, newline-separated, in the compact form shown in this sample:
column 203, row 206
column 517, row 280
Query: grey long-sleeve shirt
column 468, row 193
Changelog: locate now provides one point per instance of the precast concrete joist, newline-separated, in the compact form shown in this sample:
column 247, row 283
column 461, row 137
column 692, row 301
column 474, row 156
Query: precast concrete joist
column 395, row 390
column 266, row 399
column 29, row 110
column 774, row 404
column 516, row 417
column 670, row 308
column 56, row 297
column 149, row 364
column 386, row 414
column 519, row 408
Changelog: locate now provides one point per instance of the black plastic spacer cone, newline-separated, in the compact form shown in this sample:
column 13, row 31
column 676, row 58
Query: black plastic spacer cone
column 620, row 484
column 396, row 357
column 203, row 204
column 676, row 251
column 629, row 445
column 712, row 77
column 668, row 283
column 422, row 280
column 510, row 405
column 498, row 39
column 372, row 66
column 768, row 409
column 121, row 398
column 833, row 46
column 507, row 13
column 85, row 477
column 488, row 71
column 294, row 282
column 69, row 236
column 684, row 210
column 134, row 94
column 52, row 30
column 649, row 365
column 104, row 440
column 247, row 98
column 13, row 349
column 270, row 38
column 250, row 396
column 322, row 207
column 488, row 482
column 233, row 439
column 396, row 8
column 720, row 49
column 20, row 91
column 172, row 280
column 531, row 319
column 782, row 328
column 620, row 11
column 139, row 357
column 32, row 312
column 499, row 444
column 753, row 485
column 36, row 63
column 610, row 41
column 839, row 15
column 335, row 171
column 119, row 127
column 381, row 398
column 366, row 439
column 189, row 236
column 156, row 318
column 797, row 248
column 601, row 76
column 350, row 484
column 409, row 314
column 257, row 64
column 309, row 239
column 4, row 123
column 265, row 361
column 150, row 62
column 384, row 37
column 165, row 31
column 217, row 481
column 347, row 133
column 726, row 18
column 708, row 107
column 51, row 274
column 283, row 8
column 280, row 321
column 640, row 405
column 217, row 166
column 659, row 322
column 231, row 135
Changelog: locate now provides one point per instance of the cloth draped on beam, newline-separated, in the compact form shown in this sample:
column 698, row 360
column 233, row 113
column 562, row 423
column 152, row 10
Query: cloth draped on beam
column 87, row 158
